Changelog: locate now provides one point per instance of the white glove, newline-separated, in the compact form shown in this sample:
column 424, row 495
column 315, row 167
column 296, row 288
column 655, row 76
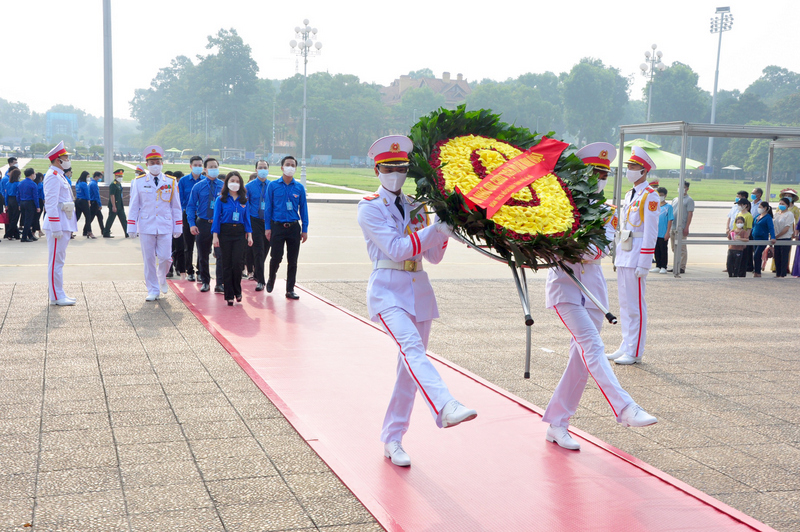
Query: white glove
column 57, row 234
column 443, row 228
column 641, row 273
column 133, row 235
column 177, row 235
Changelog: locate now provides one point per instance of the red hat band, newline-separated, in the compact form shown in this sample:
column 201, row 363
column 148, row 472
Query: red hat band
column 391, row 156
column 58, row 154
column 638, row 160
column 597, row 161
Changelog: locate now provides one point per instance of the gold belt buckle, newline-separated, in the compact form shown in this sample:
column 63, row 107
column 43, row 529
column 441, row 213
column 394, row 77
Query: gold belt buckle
column 410, row 266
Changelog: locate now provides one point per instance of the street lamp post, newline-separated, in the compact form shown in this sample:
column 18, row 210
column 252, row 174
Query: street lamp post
column 722, row 22
column 648, row 68
column 306, row 35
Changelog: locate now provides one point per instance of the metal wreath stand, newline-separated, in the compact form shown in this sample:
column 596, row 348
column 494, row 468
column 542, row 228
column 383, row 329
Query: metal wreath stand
column 521, row 281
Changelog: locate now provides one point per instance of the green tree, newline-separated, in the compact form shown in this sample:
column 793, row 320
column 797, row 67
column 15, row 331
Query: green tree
column 676, row 96
column 518, row 104
column 594, row 99
column 774, row 84
column 414, row 104
column 787, row 110
column 740, row 108
column 421, row 73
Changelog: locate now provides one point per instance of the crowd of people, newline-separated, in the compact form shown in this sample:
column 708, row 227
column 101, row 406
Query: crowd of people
column 22, row 199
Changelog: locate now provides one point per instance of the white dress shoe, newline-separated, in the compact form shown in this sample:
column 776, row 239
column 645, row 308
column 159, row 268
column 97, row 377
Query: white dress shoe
column 634, row 415
column 151, row 297
column 64, row 302
column 560, row 435
column 454, row 413
column 395, row 451
column 662, row 270
column 627, row 360
column 615, row 355
column 164, row 288
column 654, row 270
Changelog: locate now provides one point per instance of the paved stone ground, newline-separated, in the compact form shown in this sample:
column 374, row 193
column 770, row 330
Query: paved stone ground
column 721, row 372
column 117, row 414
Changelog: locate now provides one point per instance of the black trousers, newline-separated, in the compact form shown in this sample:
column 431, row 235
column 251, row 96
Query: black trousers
column 232, row 242
column 735, row 264
column 188, row 247
column 291, row 237
column 757, row 253
column 12, row 227
column 661, row 253
column 97, row 212
column 260, row 249
column 747, row 258
column 782, row 258
column 120, row 215
column 82, row 207
column 204, row 240
column 28, row 211
column 37, row 226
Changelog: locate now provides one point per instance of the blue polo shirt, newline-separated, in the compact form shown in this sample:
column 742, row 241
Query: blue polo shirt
column 40, row 186
column 230, row 212
column 200, row 202
column 185, row 186
column 94, row 191
column 257, row 197
column 286, row 203
column 4, row 184
column 664, row 216
column 82, row 190
column 28, row 191
column 11, row 190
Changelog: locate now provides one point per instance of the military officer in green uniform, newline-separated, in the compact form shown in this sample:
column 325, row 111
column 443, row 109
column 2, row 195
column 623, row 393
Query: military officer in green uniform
column 116, row 208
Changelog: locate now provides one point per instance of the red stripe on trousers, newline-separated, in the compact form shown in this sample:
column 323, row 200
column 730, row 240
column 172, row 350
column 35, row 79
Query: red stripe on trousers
column 583, row 357
column 53, row 269
column 409, row 366
column 639, row 336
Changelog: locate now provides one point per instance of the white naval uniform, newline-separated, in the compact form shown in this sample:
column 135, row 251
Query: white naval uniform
column 583, row 320
column 644, row 201
column 57, row 191
column 403, row 302
column 155, row 213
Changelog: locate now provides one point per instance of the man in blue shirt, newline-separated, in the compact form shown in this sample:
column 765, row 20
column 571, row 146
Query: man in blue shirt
column 96, row 204
column 12, row 163
column 28, row 201
column 185, row 186
column 285, row 208
column 200, row 213
column 256, row 205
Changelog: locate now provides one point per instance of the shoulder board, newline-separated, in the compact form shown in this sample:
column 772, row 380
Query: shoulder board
column 371, row 197
column 648, row 189
column 141, row 176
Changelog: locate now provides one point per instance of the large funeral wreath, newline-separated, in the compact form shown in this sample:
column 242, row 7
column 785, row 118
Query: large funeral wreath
column 554, row 219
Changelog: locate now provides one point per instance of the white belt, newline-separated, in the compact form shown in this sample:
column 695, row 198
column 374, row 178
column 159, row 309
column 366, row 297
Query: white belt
column 405, row 266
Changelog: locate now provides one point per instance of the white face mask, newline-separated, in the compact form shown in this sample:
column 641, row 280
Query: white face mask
column 761, row 210
column 740, row 225
column 289, row 170
column 663, row 198
column 742, row 208
column 633, row 175
column 233, row 187
column 601, row 184
column 154, row 169
column 65, row 165
column 118, row 178
column 393, row 181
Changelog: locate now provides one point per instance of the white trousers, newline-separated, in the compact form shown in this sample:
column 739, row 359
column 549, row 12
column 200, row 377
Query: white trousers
column 586, row 357
column 414, row 372
column 56, row 255
column 633, row 311
column 156, row 249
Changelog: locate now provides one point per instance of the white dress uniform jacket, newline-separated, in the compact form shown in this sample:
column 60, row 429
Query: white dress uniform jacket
column 639, row 214
column 155, row 209
column 391, row 238
column 57, row 192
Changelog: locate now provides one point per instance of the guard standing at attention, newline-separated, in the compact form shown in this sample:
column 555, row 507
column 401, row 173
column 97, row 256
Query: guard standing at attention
column 584, row 320
column 200, row 212
column 59, row 224
column 155, row 216
column 635, row 247
column 400, row 296
column 116, row 207
column 256, row 204
column 285, row 208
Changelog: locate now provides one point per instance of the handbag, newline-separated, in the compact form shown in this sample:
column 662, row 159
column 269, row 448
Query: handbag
column 769, row 253
column 4, row 218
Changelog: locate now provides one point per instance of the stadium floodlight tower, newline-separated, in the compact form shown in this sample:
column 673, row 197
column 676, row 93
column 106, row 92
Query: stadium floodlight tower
column 722, row 22
column 652, row 63
column 304, row 47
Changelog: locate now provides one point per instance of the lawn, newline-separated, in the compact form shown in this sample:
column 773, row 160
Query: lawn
column 705, row 190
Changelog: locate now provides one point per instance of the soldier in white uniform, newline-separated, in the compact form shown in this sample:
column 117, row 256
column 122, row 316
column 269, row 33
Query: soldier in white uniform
column 155, row 215
column 636, row 243
column 59, row 224
column 584, row 320
column 400, row 296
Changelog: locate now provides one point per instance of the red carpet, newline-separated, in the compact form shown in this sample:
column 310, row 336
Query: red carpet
column 330, row 373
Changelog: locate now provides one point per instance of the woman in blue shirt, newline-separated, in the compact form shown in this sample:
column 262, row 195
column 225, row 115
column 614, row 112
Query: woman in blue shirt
column 37, row 226
column 12, row 205
column 230, row 231
column 763, row 229
column 82, row 205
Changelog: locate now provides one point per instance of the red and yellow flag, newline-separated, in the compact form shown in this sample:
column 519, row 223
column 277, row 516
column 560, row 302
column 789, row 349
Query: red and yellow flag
column 514, row 175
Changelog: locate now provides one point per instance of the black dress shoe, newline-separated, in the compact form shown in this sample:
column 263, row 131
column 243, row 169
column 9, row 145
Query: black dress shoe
column 205, row 287
column 259, row 287
column 170, row 274
column 219, row 289
column 34, row 239
column 107, row 236
column 230, row 302
column 190, row 277
column 26, row 240
column 127, row 235
column 270, row 284
column 292, row 295
column 239, row 299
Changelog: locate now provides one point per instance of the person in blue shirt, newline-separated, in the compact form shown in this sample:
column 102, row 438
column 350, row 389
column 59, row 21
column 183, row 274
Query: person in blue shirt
column 12, row 163
column 37, row 226
column 256, row 203
column 200, row 213
column 12, row 206
column 285, row 208
column 185, row 186
column 82, row 206
column 763, row 229
column 665, row 219
column 231, row 230
column 95, row 202
column 28, row 200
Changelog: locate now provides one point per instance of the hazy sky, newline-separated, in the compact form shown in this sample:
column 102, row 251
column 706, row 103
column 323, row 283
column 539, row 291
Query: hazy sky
column 54, row 49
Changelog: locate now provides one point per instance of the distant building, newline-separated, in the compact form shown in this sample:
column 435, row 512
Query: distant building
column 61, row 124
column 455, row 91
